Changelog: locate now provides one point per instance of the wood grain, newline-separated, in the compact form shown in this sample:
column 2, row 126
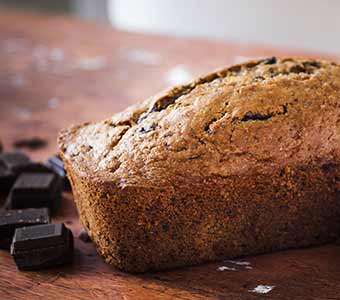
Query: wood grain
column 55, row 71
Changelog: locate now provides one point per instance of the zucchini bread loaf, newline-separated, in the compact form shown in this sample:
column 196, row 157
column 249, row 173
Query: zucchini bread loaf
column 242, row 161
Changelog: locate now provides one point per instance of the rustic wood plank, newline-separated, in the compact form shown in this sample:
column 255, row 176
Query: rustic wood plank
column 56, row 71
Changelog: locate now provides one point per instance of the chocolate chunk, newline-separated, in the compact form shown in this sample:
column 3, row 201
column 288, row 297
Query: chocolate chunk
column 17, row 163
column 12, row 219
column 297, row 69
column 11, row 164
column 165, row 227
column 33, row 190
column 30, row 143
column 6, row 179
column 56, row 164
column 12, row 161
column 42, row 246
column 330, row 166
column 8, row 176
column 235, row 69
column 84, row 236
column 270, row 61
column 251, row 116
column 312, row 63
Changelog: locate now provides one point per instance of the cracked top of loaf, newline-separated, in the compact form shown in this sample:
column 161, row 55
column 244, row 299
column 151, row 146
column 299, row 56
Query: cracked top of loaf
column 252, row 117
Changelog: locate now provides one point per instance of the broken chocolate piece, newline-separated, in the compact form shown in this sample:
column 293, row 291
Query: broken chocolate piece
column 17, row 163
column 12, row 219
column 33, row 190
column 6, row 179
column 33, row 143
column 14, row 160
column 11, row 164
column 56, row 164
column 84, row 236
column 42, row 246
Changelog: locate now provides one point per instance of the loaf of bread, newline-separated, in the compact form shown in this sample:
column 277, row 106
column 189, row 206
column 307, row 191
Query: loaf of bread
column 242, row 161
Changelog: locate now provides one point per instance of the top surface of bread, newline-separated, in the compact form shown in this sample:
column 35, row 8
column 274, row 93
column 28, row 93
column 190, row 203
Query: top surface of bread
column 251, row 117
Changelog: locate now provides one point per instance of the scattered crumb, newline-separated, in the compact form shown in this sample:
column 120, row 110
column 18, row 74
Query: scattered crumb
column 53, row 102
column 92, row 63
column 225, row 268
column 143, row 56
column 178, row 75
column 262, row 289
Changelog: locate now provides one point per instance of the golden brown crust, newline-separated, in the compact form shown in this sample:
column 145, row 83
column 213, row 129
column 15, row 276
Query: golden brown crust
column 238, row 162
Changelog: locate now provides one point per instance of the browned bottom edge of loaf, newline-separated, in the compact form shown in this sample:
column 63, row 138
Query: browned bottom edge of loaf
column 141, row 229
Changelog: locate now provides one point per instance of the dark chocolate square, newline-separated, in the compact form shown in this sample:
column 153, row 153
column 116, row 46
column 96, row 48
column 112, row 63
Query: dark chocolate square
column 42, row 246
column 40, row 236
column 13, row 160
column 33, row 190
column 6, row 179
column 11, row 164
column 12, row 219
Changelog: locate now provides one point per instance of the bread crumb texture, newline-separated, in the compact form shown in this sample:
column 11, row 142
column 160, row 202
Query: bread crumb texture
column 242, row 161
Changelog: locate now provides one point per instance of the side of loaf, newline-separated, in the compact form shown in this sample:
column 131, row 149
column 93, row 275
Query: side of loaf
column 242, row 161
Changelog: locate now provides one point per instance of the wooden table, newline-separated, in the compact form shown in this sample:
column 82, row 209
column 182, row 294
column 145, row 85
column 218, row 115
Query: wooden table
column 55, row 71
